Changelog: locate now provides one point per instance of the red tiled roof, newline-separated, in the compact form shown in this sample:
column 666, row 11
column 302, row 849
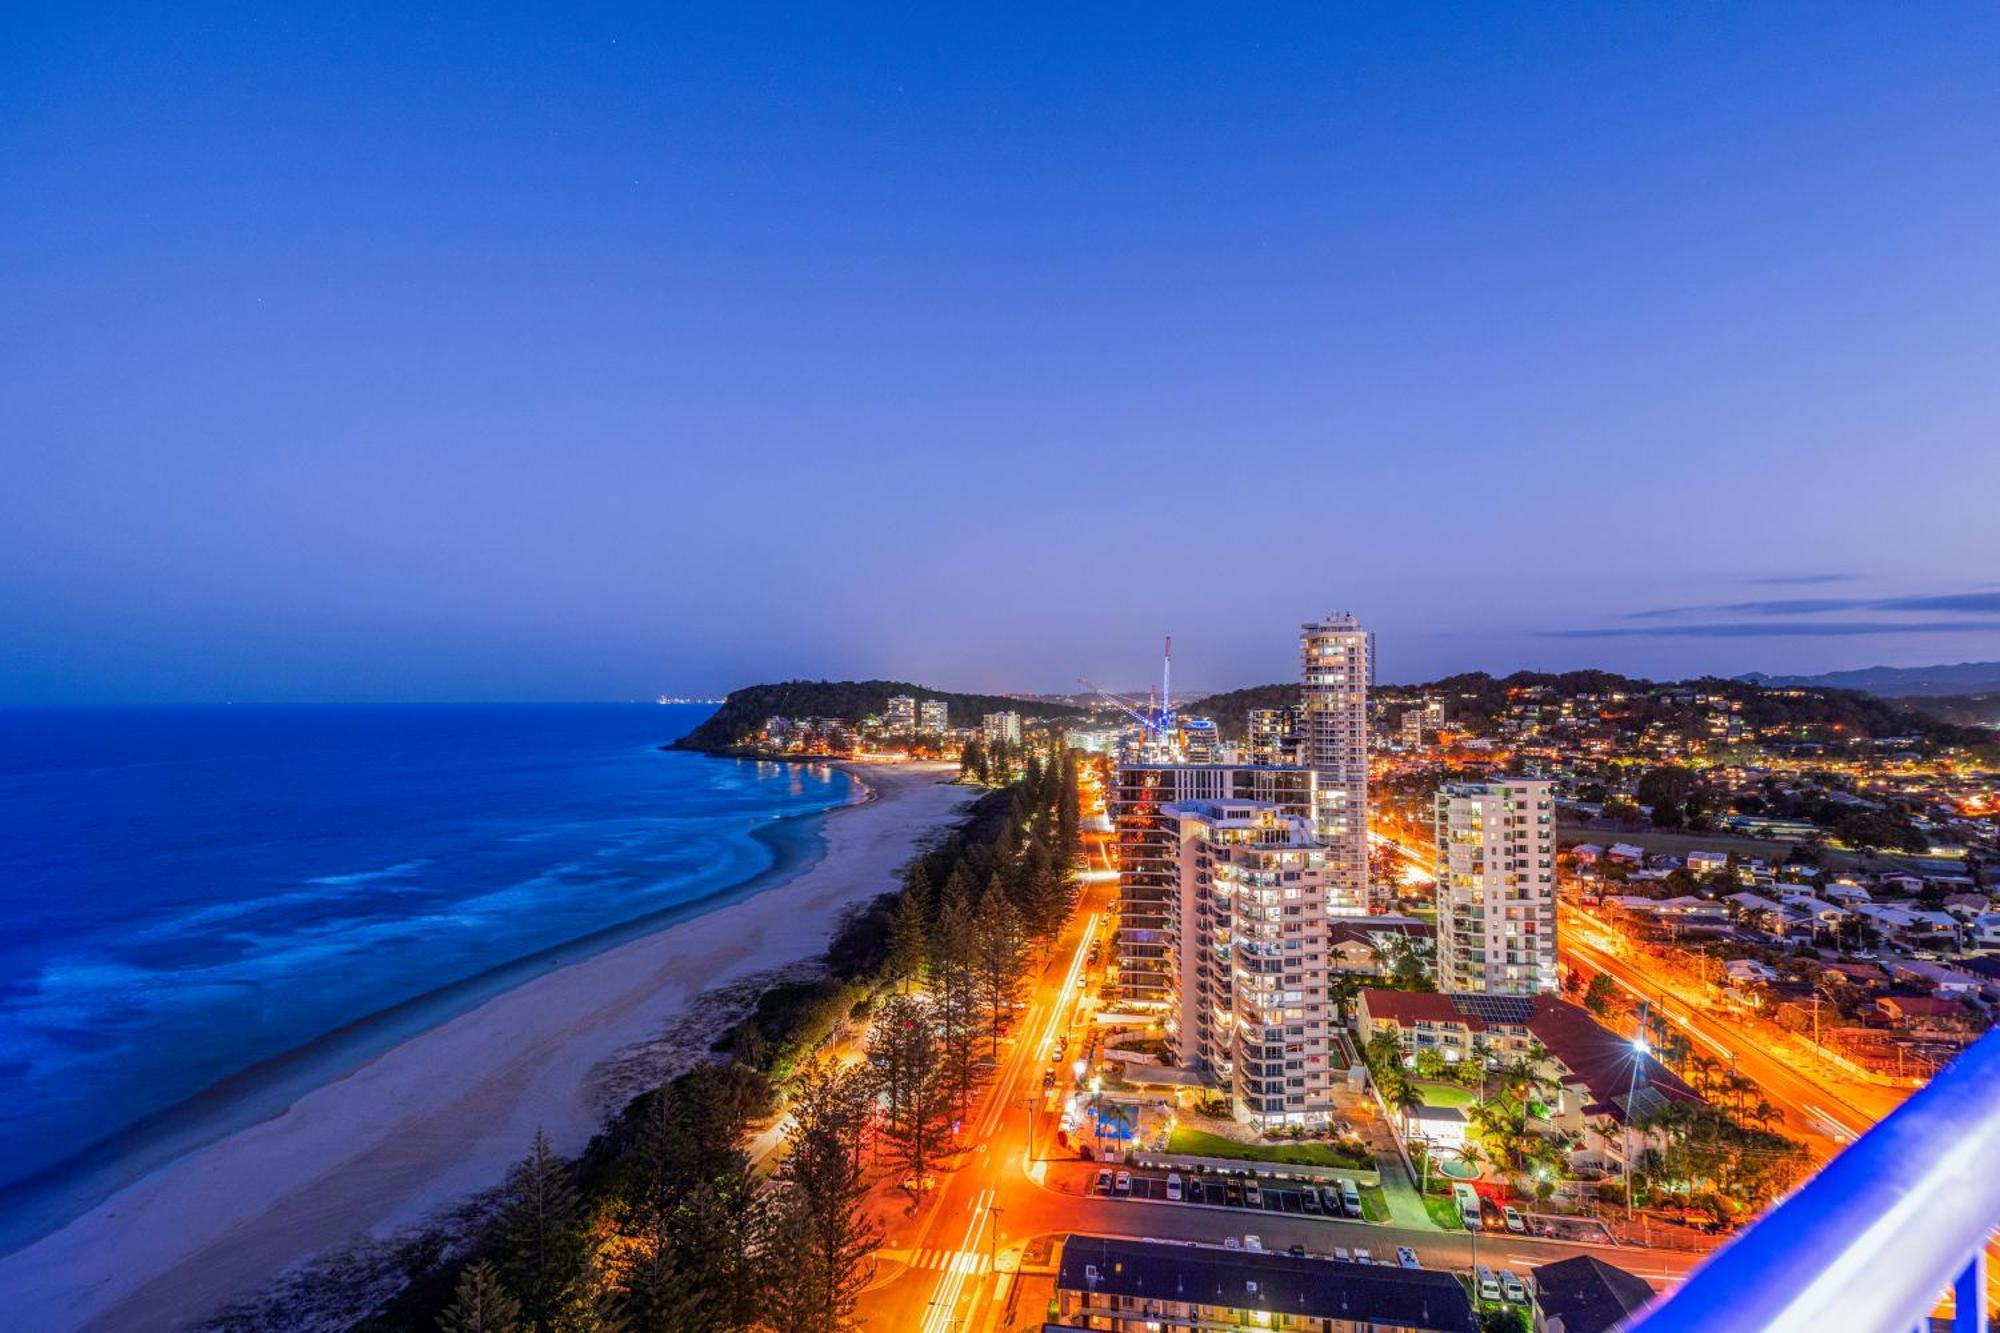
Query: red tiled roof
column 1921, row 1006
column 1597, row 1057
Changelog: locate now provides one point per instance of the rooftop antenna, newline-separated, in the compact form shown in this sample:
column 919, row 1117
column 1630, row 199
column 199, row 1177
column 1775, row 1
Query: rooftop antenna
column 1166, row 687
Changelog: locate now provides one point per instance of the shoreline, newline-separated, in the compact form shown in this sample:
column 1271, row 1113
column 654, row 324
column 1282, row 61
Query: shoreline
column 439, row 1115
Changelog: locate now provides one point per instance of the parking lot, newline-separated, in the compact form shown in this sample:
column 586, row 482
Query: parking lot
column 1222, row 1192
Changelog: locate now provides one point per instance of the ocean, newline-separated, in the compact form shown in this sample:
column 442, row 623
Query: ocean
column 206, row 911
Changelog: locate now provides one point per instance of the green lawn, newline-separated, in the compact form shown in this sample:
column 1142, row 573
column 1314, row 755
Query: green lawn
column 1374, row 1203
column 1444, row 1212
column 1445, row 1094
column 1196, row 1143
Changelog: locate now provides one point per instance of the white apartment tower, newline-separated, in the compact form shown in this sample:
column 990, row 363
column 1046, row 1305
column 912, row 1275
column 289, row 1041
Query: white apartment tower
column 1150, row 922
column 1002, row 727
column 934, row 717
column 1335, row 655
column 1253, row 1013
column 1496, row 887
column 899, row 715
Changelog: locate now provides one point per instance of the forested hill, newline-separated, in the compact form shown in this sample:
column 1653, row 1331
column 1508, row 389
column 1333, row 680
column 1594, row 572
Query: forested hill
column 1475, row 699
column 1231, row 710
column 745, row 710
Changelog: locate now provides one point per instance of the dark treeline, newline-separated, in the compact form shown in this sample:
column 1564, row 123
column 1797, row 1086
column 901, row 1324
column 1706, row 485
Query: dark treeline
column 663, row 1224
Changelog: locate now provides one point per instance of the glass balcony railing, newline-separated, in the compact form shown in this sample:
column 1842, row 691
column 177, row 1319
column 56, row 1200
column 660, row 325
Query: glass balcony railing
column 1877, row 1236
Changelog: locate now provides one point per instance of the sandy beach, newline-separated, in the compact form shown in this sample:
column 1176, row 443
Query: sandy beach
column 443, row 1114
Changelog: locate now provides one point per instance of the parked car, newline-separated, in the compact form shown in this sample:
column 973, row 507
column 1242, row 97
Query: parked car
column 1407, row 1257
column 1104, row 1182
column 1174, row 1186
column 1232, row 1192
column 1489, row 1285
column 1252, row 1197
column 1253, row 1244
column 1511, row 1288
column 1362, row 1256
column 1515, row 1222
column 1341, row 1253
column 1231, row 1243
column 1297, row 1251
column 1124, row 1182
column 1350, row 1199
column 1309, row 1199
column 1467, row 1199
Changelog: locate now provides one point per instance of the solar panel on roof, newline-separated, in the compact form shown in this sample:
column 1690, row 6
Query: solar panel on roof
column 1643, row 1102
column 1495, row 1008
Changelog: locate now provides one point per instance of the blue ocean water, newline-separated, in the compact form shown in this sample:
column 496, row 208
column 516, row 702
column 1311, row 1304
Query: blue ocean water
column 204, row 911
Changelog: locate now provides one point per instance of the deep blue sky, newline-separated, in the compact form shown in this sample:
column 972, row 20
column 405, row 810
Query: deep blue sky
column 574, row 351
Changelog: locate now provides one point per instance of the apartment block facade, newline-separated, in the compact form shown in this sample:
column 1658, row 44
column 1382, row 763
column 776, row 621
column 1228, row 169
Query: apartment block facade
column 1496, row 893
column 1149, row 870
column 1335, row 658
column 1253, row 1012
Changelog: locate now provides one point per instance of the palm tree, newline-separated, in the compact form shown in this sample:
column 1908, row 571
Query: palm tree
column 1404, row 1098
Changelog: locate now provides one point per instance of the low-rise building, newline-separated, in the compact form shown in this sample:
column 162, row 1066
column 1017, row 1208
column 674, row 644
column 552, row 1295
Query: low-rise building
column 1585, row 1295
column 1139, row 1286
column 1606, row 1081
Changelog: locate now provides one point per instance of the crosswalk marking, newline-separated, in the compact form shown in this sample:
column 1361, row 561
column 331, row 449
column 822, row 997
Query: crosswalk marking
column 955, row 1261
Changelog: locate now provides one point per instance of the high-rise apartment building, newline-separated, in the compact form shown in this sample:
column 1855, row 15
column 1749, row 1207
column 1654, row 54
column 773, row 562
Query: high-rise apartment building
column 899, row 715
column 1274, row 735
column 1149, row 875
column 934, row 717
column 1335, row 657
column 1002, row 727
column 1496, row 889
column 1253, row 1013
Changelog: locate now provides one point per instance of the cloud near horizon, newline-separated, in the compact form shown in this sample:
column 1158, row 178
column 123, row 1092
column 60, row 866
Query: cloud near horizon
column 1801, row 579
column 1965, row 603
column 1756, row 629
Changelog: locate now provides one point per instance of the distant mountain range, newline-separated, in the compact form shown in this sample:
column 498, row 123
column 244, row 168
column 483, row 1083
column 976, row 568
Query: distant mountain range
column 1899, row 682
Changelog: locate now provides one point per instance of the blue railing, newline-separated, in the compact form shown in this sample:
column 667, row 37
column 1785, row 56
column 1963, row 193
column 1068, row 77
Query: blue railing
column 1872, row 1241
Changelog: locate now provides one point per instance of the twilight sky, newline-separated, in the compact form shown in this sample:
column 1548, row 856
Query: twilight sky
column 588, row 351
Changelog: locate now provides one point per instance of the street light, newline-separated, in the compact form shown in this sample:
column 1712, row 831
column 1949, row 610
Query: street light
column 1639, row 1052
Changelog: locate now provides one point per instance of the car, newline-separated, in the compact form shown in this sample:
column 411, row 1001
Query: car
column 1173, row 1186
column 1511, row 1288
column 1407, row 1257
column 1515, row 1222
column 1340, row 1252
column 1253, row 1244
column 1232, row 1193
column 1362, row 1256
column 1297, row 1251
column 1489, row 1285
column 1104, row 1182
column 1252, row 1197
column 1231, row 1243
column 1124, row 1184
column 1350, row 1199
column 1468, row 1206
column 1309, row 1199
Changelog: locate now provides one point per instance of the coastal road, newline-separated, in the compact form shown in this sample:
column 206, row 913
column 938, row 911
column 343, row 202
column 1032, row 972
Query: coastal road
column 947, row 1256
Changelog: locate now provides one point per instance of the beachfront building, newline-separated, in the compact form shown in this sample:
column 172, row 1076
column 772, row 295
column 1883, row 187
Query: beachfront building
column 1335, row 655
column 934, row 717
column 1496, row 888
column 899, row 715
column 1253, row 1014
column 1149, row 876
column 1002, row 727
